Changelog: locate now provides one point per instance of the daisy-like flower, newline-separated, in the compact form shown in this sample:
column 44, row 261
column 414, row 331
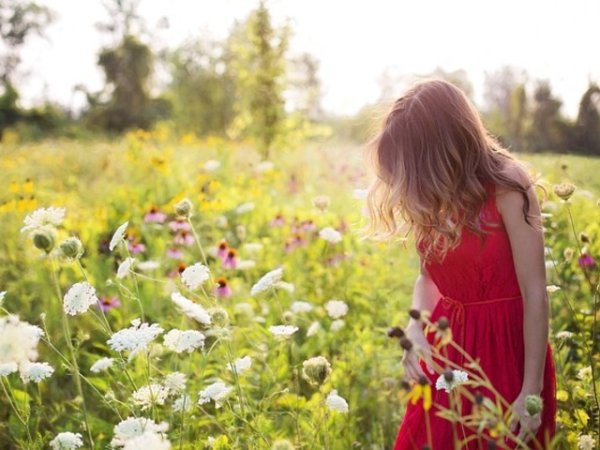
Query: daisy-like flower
column 301, row 306
column 229, row 261
column 267, row 281
column 217, row 391
column 18, row 343
column 450, row 379
column 133, row 427
column 44, row 217
column 182, row 403
column 36, row 372
column 194, row 275
column 283, row 331
column 155, row 216
column 330, row 235
column 174, row 253
column 175, row 382
column 66, row 441
column 101, row 365
column 222, row 289
column 184, row 341
column 79, row 298
column 277, row 221
column 421, row 390
column 135, row 338
column 336, row 403
column 125, row 267
column 336, row 308
column 151, row 394
column 107, row 303
column 183, row 238
column 191, row 309
column 179, row 225
column 241, row 364
column 118, row 236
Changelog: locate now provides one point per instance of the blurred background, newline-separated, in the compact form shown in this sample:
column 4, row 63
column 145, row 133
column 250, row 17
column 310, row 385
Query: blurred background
column 267, row 70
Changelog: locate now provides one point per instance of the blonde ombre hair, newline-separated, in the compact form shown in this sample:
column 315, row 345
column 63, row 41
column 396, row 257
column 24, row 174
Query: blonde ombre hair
column 432, row 158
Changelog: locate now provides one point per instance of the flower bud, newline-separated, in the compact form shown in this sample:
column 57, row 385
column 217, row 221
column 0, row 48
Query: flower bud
column 585, row 238
column 423, row 381
column 395, row 332
column 71, row 248
column 219, row 316
column 564, row 190
column 321, row 202
column 316, row 370
column 44, row 239
column 533, row 404
column 478, row 398
column 442, row 323
column 448, row 375
column 415, row 314
column 287, row 317
column 184, row 208
column 405, row 343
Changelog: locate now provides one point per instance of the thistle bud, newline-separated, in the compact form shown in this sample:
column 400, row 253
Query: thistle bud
column 415, row 314
column 478, row 398
column 585, row 238
column 287, row 317
column 219, row 316
column 321, row 202
column 71, row 248
column 405, row 343
column 448, row 375
column 43, row 238
column 316, row 370
column 184, row 208
column 395, row 332
column 533, row 404
column 442, row 323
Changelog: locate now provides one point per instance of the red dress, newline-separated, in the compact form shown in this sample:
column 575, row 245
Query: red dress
column 482, row 300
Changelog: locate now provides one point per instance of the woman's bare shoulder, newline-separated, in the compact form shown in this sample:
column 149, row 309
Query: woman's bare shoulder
column 508, row 199
column 516, row 171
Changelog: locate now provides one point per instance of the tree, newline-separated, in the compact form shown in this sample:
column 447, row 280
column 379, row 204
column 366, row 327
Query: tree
column 587, row 125
column 549, row 130
column 259, row 60
column 305, row 86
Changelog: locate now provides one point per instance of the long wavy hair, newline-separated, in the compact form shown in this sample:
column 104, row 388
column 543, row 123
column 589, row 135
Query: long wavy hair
column 432, row 158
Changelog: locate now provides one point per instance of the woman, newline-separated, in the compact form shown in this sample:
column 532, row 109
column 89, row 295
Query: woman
column 477, row 224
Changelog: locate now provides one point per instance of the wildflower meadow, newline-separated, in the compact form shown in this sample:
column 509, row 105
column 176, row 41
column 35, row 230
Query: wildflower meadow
column 166, row 292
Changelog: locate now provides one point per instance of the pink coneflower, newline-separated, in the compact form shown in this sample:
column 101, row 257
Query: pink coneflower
column 308, row 225
column 178, row 270
column 277, row 221
column 230, row 259
column 295, row 226
column 586, row 260
column 222, row 248
column 108, row 303
column 222, row 289
column 136, row 247
column 179, row 225
column 183, row 238
column 155, row 216
column 174, row 253
column 294, row 242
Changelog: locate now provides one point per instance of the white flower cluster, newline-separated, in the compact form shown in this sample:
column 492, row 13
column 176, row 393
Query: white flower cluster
column 125, row 267
column 218, row 391
column 151, row 394
column 66, row 441
column 330, row 235
column 79, row 298
column 36, row 371
column 283, row 331
column 184, row 341
column 194, row 275
column 336, row 403
column 118, row 236
column 44, row 217
column 336, row 308
column 267, row 281
column 135, row 338
column 101, row 365
column 300, row 306
column 191, row 309
column 240, row 365
column 458, row 377
column 141, row 433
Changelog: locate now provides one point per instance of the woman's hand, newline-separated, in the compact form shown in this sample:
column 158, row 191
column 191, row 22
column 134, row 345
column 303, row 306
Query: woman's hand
column 421, row 348
column 528, row 425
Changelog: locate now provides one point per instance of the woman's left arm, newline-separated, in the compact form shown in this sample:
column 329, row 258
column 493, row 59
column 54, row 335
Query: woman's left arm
column 527, row 244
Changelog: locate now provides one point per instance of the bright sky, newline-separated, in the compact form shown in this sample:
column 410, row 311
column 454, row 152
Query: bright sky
column 355, row 41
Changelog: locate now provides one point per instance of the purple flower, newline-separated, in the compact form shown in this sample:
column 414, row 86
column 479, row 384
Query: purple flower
column 278, row 221
column 222, row 290
column 230, row 259
column 179, row 225
column 586, row 260
column 136, row 247
column 107, row 303
column 174, row 253
column 155, row 216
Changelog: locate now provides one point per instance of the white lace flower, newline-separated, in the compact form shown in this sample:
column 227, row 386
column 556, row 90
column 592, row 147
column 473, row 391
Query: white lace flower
column 283, row 331
column 182, row 403
column 586, row 442
column 564, row 334
column 148, row 266
column 43, row 217
column 101, row 365
column 133, row 427
column 552, row 288
column 289, row 287
column 148, row 441
column 330, row 235
column 79, row 298
column 337, row 324
column 458, row 377
column 66, row 441
column 300, row 306
column 217, row 391
column 125, row 267
column 184, row 341
column 175, row 382
column 18, row 343
column 313, row 329
column 336, row 308
column 118, row 236
column 151, row 394
column 240, row 364
column 36, row 372
column 194, row 275
column 336, row 403
column 191, row 309
column 267, row 281
column 135, row 338
column 245, row 264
